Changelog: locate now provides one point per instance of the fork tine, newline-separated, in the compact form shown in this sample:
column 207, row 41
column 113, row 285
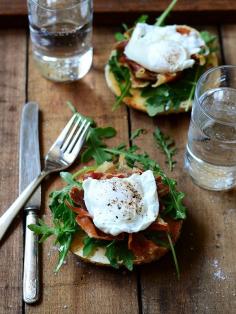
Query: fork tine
column 76, row 137
column 80, row 140
column 71, row 134
column 61, row 138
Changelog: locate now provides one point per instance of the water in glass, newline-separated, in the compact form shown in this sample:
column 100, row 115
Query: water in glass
column 62, row 41
column 211, row 150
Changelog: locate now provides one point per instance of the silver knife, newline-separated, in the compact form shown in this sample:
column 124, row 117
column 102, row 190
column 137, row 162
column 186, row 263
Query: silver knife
column 29, row 169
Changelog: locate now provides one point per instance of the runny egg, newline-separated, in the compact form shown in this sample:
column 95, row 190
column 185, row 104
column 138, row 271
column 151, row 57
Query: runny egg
column 163, row 49
column 122, row 204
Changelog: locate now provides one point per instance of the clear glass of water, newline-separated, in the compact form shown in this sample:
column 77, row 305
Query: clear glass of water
column 210, row 156
column 61, row 35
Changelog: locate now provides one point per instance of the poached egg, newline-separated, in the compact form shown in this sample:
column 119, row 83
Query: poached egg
column 163, row 49
column 122, row 204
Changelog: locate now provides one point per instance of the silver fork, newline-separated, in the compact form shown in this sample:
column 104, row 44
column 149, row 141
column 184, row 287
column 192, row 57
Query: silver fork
column 59, row 157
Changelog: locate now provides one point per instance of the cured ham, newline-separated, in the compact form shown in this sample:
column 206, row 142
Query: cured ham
column 141, row 246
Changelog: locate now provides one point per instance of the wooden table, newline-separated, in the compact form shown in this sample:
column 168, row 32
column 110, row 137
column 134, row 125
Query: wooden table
column 206, row 249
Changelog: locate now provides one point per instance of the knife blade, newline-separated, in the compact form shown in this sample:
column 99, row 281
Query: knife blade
column 29, row 169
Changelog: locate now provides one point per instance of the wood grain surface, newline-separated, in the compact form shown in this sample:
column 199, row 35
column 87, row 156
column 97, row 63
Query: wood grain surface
column 12, row 97
column 206, row 249
column 200, row 11
column 19, row 7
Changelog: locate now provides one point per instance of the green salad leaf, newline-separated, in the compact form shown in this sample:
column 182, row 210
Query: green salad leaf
column 174, row 255
column 167, row 146
column 69, row 179
column 64, row 224
column 119, row 36
column 142, row 19
column 161, row 19
column 136, row 133
column 91, row 244
column 117, row 251
column 208, row 37
column 95, row 145
column 122, row 76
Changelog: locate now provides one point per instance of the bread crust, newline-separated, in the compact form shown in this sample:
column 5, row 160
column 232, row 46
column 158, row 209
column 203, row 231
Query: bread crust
column 136, row 101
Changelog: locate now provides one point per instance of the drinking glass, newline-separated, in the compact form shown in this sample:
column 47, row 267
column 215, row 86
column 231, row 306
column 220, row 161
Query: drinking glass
column 210, row 156
column 61, row 35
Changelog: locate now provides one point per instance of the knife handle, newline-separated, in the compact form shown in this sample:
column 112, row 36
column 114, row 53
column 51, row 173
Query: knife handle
column 31, row 271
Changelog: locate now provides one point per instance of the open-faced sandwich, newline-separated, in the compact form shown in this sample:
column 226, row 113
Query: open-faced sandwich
column 154, row 68
column 122, row 209
column 122, row 212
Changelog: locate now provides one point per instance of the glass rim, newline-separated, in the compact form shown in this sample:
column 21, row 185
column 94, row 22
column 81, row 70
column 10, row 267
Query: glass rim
column 197, row 97
column 55, row 10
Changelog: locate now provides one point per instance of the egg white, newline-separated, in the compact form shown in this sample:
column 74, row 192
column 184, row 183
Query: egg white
column 122, row 204
column 163, row 49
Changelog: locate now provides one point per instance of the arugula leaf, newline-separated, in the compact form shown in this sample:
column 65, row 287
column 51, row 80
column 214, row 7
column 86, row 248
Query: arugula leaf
column 64, row 224
column 136, row 133
column 161, row 19
column 71, row 107
column 210, row 41
column 90, row 245
column 164, row 239
column 117, row 251
column 69, row 179
column 119, row 36
column 42, row 230
column 122, row 76
column 74, row 110
column 166, row 145
column 173, row 201
column 125, row 27
column 95, row 146
column 142, row 19
column 174, row 255
column 208, row 37
column 158, row 238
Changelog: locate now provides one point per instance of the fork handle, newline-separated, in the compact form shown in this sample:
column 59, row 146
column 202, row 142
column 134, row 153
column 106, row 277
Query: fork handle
column 7, row 218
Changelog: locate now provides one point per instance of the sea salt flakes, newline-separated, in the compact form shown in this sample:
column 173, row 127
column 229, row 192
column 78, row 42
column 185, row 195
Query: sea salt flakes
column 218, row 272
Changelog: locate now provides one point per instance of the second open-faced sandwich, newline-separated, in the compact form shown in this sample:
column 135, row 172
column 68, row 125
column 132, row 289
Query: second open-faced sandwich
column 154, row 68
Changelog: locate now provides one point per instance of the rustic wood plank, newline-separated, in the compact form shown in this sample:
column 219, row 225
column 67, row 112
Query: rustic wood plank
column 80, row 288
column 229, row 43
column 19, row 7
column 200, row 11
column 12, row 97
column 206, row 248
